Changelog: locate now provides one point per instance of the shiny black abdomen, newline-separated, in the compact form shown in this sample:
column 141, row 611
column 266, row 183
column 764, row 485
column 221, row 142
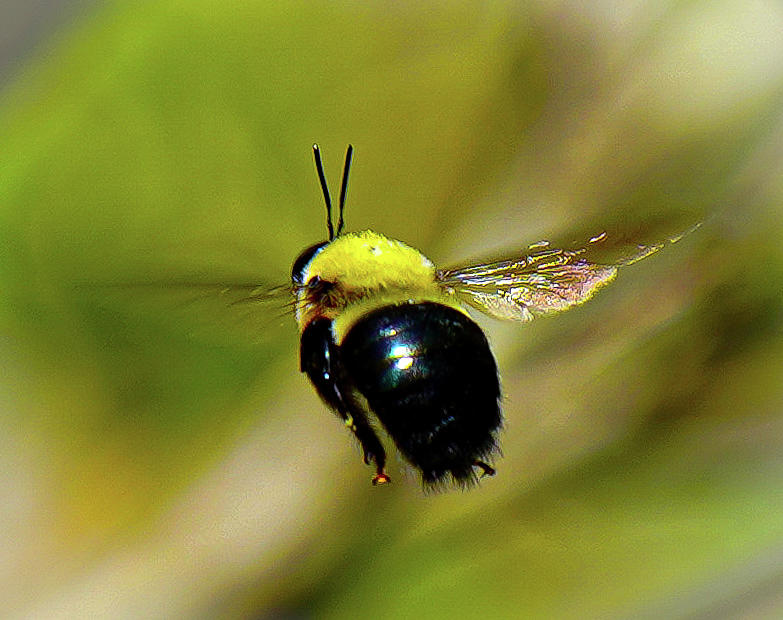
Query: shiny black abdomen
column 428, row 374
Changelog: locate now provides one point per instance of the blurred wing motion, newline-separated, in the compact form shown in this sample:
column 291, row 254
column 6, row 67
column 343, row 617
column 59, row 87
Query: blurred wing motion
column 544, row 280
column 216, row 311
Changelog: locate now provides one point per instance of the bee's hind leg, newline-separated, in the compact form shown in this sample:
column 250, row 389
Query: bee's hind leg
column 319, row 358
column 486, row 470
column 357, row 422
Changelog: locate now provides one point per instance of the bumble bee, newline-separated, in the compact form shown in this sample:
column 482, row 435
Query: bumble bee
column 385, row 335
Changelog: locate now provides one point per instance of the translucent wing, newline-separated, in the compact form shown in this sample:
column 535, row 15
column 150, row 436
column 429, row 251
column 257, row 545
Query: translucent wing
column 219, row 311
column 543, row 280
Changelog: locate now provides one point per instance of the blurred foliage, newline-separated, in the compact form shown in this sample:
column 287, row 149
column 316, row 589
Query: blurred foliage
column 160, row 454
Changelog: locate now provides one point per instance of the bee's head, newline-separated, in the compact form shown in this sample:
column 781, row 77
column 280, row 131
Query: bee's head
column 301, row 262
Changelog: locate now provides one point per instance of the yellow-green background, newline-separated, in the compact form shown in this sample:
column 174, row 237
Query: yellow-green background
column 160, row 455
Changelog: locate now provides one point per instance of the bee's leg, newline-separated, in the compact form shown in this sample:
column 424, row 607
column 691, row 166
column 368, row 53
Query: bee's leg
column 356, row 420
column 319, row 358
column 486, row 470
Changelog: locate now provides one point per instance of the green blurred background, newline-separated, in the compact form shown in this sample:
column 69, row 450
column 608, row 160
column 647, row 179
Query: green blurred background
column 161, row 455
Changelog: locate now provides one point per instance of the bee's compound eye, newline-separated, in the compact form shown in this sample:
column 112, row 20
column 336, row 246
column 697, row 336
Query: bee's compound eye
column 303, row 260
column 318, row 286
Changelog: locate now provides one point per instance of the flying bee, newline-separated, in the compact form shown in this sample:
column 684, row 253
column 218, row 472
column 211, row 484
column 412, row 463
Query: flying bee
column 386, row 338
column 385, row 335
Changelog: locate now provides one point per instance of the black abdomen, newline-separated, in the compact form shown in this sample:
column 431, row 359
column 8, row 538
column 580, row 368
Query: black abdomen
column 427, row 372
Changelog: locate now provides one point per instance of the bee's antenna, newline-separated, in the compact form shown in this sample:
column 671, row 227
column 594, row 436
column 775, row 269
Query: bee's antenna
column 344, row 187
column 320, row 168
